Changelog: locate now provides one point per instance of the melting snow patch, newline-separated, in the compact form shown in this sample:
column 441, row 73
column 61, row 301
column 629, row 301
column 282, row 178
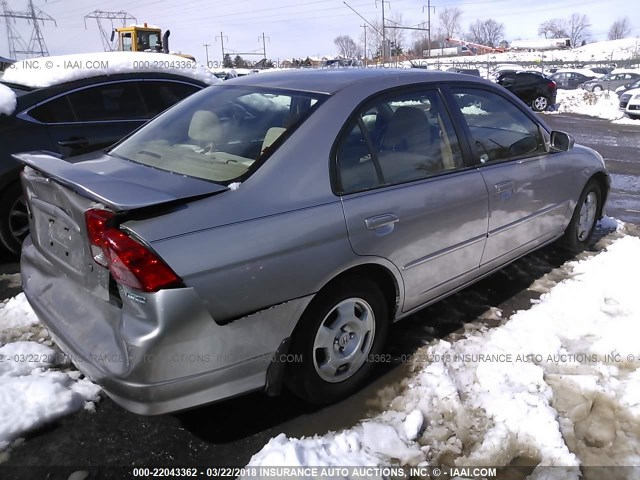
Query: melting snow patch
column 558, row 384
column 32, row 390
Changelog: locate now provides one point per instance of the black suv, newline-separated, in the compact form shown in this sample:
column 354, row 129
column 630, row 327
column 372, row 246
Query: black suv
column 533, row 89
column 73, row 118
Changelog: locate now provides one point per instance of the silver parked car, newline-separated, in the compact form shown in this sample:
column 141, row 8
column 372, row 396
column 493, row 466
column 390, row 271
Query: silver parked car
column 266, row 231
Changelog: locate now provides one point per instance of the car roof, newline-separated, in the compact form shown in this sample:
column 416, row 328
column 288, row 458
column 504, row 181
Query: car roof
column 55, row 70
column 331, row 80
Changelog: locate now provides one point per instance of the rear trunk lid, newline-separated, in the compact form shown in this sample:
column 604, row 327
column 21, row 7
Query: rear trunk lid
column 59, row 193
column 119, row 184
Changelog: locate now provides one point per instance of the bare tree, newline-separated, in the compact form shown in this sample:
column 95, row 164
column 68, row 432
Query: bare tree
column 578, row 28
column 555, row 28
column 347, row 47
column 449, row 20
column 374, row 39
column 486, row 32
column 621, row 28
column 421, row 42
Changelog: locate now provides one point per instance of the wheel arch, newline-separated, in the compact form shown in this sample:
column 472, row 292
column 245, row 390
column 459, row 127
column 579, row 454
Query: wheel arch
column 602, row 180
column 389, row 283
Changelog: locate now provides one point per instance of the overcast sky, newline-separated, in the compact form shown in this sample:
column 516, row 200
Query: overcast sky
column 296, row 28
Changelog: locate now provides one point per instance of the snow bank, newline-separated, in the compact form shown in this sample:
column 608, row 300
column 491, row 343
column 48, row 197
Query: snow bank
column 7, row 100
column 47, row 71
column 598, row 104
column 37, row 383
column 558, row 384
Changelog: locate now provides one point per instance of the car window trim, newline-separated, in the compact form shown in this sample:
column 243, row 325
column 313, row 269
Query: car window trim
column 26, row 116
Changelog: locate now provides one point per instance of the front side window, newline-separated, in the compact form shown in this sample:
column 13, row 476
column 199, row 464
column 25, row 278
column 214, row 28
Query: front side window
column 147, row 40
column 397, row 139
column 499, row 129
column 160, row 95
column 218, row 134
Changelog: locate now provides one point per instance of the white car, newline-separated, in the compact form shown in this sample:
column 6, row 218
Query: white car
column 630, row 103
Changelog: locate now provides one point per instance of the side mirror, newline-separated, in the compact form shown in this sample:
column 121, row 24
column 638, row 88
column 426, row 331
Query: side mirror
column 561, row 141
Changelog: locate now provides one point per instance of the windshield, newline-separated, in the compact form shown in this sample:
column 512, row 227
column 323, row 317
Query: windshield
column 220, row 133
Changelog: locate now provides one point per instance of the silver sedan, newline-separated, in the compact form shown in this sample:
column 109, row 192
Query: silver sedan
column 266, row 231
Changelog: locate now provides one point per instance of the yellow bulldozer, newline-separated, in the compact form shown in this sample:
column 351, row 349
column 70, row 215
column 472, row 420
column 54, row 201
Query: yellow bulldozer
column 144, row 38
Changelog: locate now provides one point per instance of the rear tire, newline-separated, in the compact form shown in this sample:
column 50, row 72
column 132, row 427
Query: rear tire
column 337, row 341
column 14, row 219
column 540, row 103
column 583, row 222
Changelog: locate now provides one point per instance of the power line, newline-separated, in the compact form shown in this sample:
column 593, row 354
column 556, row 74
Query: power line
column 99, row 16
column 17, row 45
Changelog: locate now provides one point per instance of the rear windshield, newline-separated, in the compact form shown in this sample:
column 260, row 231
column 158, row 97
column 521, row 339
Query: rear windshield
column 220, row 133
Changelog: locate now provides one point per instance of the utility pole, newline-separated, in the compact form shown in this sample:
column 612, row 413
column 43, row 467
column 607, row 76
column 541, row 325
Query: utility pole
column 429, row 7
column 264, row 46
column 384, row 35
column 17, row 45
column 222, row 37
column 206, row 52
column 365, row 43
column 100, row 15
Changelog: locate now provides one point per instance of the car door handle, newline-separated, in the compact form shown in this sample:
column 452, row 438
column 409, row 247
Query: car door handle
column 379, row 221
column 503, row 186
column 74, row 142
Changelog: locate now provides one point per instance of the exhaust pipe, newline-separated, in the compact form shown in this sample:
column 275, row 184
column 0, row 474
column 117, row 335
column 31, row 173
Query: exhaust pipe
column 165, row 41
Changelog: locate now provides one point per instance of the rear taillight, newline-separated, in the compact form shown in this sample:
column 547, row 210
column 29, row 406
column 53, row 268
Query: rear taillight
column 552, row 84
column 130, row 262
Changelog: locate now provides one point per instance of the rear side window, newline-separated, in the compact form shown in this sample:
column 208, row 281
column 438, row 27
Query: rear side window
column 107, row 102
column 395, row 140
column 116, row 101
column 499, row 129
column 57, row 110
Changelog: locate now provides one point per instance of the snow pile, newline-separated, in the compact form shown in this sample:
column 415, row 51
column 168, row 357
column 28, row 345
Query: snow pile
column 595, row 104
column 8, row 100
column 47, row 71
column 558, row 384
column 37, row 384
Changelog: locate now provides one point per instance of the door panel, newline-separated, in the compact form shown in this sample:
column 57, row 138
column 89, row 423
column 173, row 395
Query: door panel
column 420, row 205
column 438, row 237
column 531, row 210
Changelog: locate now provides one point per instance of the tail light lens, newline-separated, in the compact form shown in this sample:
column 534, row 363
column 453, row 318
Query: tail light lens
column 552, row 84
column 130, row 262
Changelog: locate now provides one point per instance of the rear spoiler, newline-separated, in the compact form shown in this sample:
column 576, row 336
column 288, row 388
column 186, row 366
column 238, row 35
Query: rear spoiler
column 120, row 184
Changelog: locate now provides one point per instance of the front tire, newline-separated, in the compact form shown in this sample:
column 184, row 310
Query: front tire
column 14, row 219
column 540, row 103
column 597, row 89
column 583, row 222
column 338, row 336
